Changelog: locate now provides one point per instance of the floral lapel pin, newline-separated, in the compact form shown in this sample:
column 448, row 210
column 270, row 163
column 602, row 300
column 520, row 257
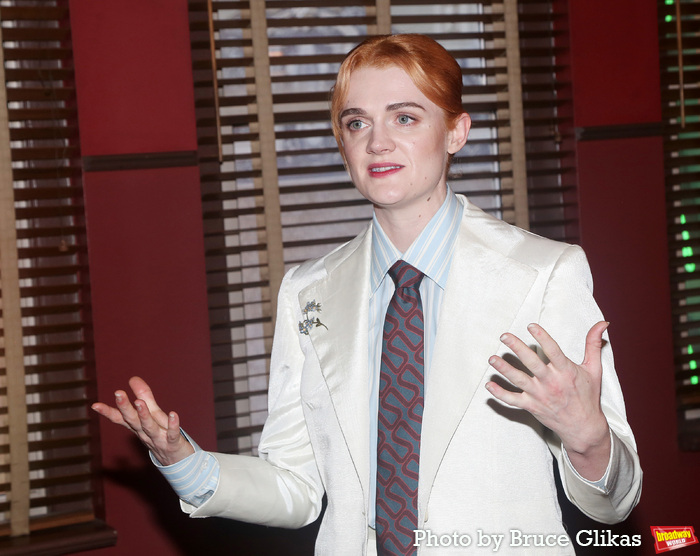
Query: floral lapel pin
column 309, row 322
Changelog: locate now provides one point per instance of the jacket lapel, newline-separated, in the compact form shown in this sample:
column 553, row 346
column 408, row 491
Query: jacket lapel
column 484, row 291
column 342, row 348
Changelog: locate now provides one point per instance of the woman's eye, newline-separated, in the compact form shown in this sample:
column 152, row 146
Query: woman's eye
column 355, row 125
column 404, row 119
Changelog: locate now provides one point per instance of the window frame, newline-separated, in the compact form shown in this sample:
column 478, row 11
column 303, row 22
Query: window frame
column 679, row 62
column 55, row 501
column 543, row 188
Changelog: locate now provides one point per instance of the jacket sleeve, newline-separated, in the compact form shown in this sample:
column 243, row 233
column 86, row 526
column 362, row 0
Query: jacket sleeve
column 282, row 486
column 568, row 312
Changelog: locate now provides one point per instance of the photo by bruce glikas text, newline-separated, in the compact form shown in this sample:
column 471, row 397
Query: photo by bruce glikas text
column 518, row 539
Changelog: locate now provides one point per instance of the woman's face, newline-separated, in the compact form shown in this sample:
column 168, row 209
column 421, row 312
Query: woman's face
column 396, row 142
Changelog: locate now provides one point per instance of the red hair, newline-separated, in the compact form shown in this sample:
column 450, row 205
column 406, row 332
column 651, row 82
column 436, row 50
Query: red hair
column 431, row 68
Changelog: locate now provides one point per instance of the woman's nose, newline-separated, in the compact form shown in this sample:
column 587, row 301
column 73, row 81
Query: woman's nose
column 380, row 140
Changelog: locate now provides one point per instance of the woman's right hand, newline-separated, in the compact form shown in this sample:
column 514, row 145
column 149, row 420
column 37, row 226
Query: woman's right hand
column 157, row 430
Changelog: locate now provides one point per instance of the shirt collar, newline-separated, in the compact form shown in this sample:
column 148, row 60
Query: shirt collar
column 431, row 251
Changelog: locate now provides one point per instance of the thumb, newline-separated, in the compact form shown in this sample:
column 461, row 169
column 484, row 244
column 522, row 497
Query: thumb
column 594, row 343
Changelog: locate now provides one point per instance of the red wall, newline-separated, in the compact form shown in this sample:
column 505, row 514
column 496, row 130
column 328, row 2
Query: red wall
column 135, row 98
column 615, row 74
column 147, row 263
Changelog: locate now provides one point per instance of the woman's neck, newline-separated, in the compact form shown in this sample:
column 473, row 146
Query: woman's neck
column 402, row 227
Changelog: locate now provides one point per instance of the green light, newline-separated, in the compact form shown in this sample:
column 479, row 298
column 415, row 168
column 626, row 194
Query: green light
column 687, row 252
column 695, row 380
column 690, row 350
column 693, row 365
column 668, row 18
column 682, row 219
column 685, row 235
column 690, row 267
column 669, row 2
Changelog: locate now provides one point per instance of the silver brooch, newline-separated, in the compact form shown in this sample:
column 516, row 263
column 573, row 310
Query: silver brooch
column 310, row 322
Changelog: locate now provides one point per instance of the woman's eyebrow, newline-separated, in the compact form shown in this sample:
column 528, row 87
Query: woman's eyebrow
column 352, row 112
column 401, row 105
column 389, row 108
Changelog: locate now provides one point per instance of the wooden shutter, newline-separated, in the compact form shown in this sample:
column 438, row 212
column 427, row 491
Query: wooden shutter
column 48, row 489
column 679, row 45
column 280, row 194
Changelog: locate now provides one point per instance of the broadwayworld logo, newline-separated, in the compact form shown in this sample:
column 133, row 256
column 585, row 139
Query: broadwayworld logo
column 670, row 538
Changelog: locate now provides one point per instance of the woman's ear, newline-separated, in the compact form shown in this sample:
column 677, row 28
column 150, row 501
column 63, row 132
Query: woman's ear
column 457, row 136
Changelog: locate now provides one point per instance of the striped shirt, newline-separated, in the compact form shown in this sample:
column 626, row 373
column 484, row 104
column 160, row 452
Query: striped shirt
column 194, row 479
column 431, row 253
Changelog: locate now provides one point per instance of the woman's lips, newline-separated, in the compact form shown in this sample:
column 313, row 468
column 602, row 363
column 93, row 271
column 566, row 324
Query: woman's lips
column 383, row 169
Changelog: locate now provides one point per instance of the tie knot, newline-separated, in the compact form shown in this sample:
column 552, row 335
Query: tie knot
column 405, row 276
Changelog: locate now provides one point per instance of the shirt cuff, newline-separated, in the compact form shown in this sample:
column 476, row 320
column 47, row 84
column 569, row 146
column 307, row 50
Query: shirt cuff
column 600, row 484
column 194, row 478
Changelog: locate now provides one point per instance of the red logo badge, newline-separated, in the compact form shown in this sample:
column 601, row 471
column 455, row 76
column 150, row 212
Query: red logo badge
column 670, row 538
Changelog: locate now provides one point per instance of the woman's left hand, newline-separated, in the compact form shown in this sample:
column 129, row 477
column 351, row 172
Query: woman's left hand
column 561, row 395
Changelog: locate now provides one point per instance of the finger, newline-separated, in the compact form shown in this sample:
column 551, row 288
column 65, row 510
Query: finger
column 129, row 414
column 526, row 355
column 515, row 376
column 514, row 399
column 178, row 447
column 143, row 391
column 111, row 413
column 148, row 424
column 173, row 433
column 594, row 343
column 549, row 346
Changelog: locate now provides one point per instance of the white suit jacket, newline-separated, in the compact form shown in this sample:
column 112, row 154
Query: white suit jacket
column 483, row 466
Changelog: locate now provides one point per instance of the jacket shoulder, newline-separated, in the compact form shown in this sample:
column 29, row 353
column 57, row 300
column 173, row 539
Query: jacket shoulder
column 513, row 242
column 300, row 276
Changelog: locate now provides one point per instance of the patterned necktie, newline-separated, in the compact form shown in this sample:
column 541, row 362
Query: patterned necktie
column 400, row 415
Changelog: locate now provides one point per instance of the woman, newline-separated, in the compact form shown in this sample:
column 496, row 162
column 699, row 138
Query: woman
column 470, row 464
